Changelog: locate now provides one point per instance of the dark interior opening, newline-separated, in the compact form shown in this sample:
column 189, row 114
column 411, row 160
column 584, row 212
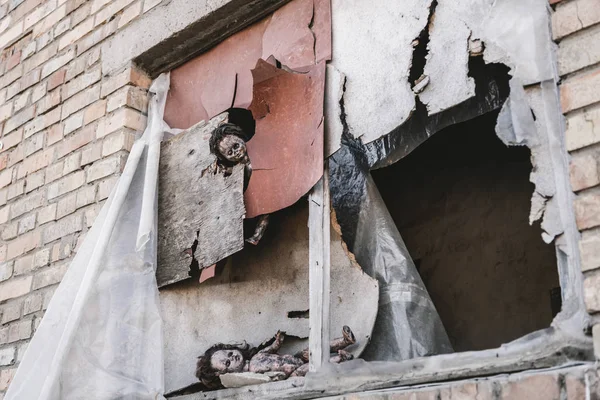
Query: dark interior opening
column 461, row 202
column 243, row 118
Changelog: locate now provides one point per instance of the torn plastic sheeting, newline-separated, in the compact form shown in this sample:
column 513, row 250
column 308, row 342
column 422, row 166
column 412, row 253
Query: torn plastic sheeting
column 407, row 324
column 287, row 149
column 101, row 336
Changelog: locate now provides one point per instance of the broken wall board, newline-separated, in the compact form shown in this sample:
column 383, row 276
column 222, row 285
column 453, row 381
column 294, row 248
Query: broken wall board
column 251, row 298
column 372, row 48
column 196, row 202
column 286, row 151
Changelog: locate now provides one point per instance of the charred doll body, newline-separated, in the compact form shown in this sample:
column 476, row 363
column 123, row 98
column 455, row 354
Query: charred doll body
column 222, row 359
column 228, row 143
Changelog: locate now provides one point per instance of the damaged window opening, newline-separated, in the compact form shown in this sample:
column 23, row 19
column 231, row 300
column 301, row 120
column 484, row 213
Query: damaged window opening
column 433, row 133
column 461, row 202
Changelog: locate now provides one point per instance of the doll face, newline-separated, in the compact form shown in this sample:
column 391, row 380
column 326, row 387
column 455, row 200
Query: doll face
column 233, row 148
column 227, row 361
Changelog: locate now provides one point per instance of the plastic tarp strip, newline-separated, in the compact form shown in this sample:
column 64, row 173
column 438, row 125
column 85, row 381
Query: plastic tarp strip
column 101, row 337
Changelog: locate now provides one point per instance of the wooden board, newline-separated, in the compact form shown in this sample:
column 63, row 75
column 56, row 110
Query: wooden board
column 196, row 202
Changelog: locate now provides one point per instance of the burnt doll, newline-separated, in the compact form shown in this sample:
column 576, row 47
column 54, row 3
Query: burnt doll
column 228, row 143
column 221, row 359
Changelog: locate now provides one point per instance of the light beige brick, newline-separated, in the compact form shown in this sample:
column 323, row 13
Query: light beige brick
column 26, row 204
column 76, row 141
column 22, row 245
column 30, row 79
column 27, row 224
column 50, row 101
column 98, row 4
column 54, row 171
column 11, row 34
column 80, row 100
column 97, row 36
column 41, row 57
column 76, row 33
column 6, row 270
column 111, row 9
column 81, row 82
column 34, row 181
column 91, row 213
column 81, row 13
column 124, row 118
column 19, row 331
column 10, row 141
column 591, row 293
column 35, row 162
column 571, row 16
column 23, row 265
column 6, row 111
column 6, row 377
column 4, row 214
column 121, row 140
column 130, row 13
column 47, row 214
column 54, row 134
column 95, row 111
column 5, row 177
column 67, row 205
column 72, row 163
column 11, row 312
column 580, row 91
column 42, row 122
column 22, row 100
column 590, row 253
column 66, row 184
column 9, row 231
column 36, row 15
column 45, row 39
column 583, row 128
column 7, row 356
column 57, row 62
column 11, row 76
column 105, row 167
column 81, row 63
column 34, row 143
column 91, row 153
column 579, row 51
column 131, row 96
column 105, row 187
column 130, row 75
column 587, row 210
column 32, row 303
column 15, row 287
column 57, row 78
column 63, row 227
column 16, row 189
column 28, row 50
column 86, row 196
column 38, row 92
column 73, row 123
column 19, row 119
column 50, row 21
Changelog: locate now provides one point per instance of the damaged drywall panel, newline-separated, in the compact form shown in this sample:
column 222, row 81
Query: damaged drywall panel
column 259, row 292
column 372, row 48
column 286, row 151
column 280, row 59
column 447, row 66
column 196, row 204
column 334, row 90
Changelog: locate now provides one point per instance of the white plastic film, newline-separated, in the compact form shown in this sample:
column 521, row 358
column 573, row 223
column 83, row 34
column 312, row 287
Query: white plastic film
column 101, row 337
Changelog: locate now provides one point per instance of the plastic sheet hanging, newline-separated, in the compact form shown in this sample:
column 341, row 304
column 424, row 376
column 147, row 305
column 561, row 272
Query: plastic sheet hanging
column 101, row 337
column 407, row 324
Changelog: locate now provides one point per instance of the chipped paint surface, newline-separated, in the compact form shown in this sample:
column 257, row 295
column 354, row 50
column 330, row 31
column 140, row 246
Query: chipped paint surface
column 378, row 96
column 251, row 298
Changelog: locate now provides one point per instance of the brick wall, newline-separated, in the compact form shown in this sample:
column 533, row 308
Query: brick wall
column 66, row 130
column 576, row 26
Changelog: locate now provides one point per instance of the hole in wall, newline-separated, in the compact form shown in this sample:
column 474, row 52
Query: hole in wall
column 461, row 202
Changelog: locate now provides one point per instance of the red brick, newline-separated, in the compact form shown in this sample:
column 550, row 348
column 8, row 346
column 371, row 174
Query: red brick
column 13, row 60
column 56, row 79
